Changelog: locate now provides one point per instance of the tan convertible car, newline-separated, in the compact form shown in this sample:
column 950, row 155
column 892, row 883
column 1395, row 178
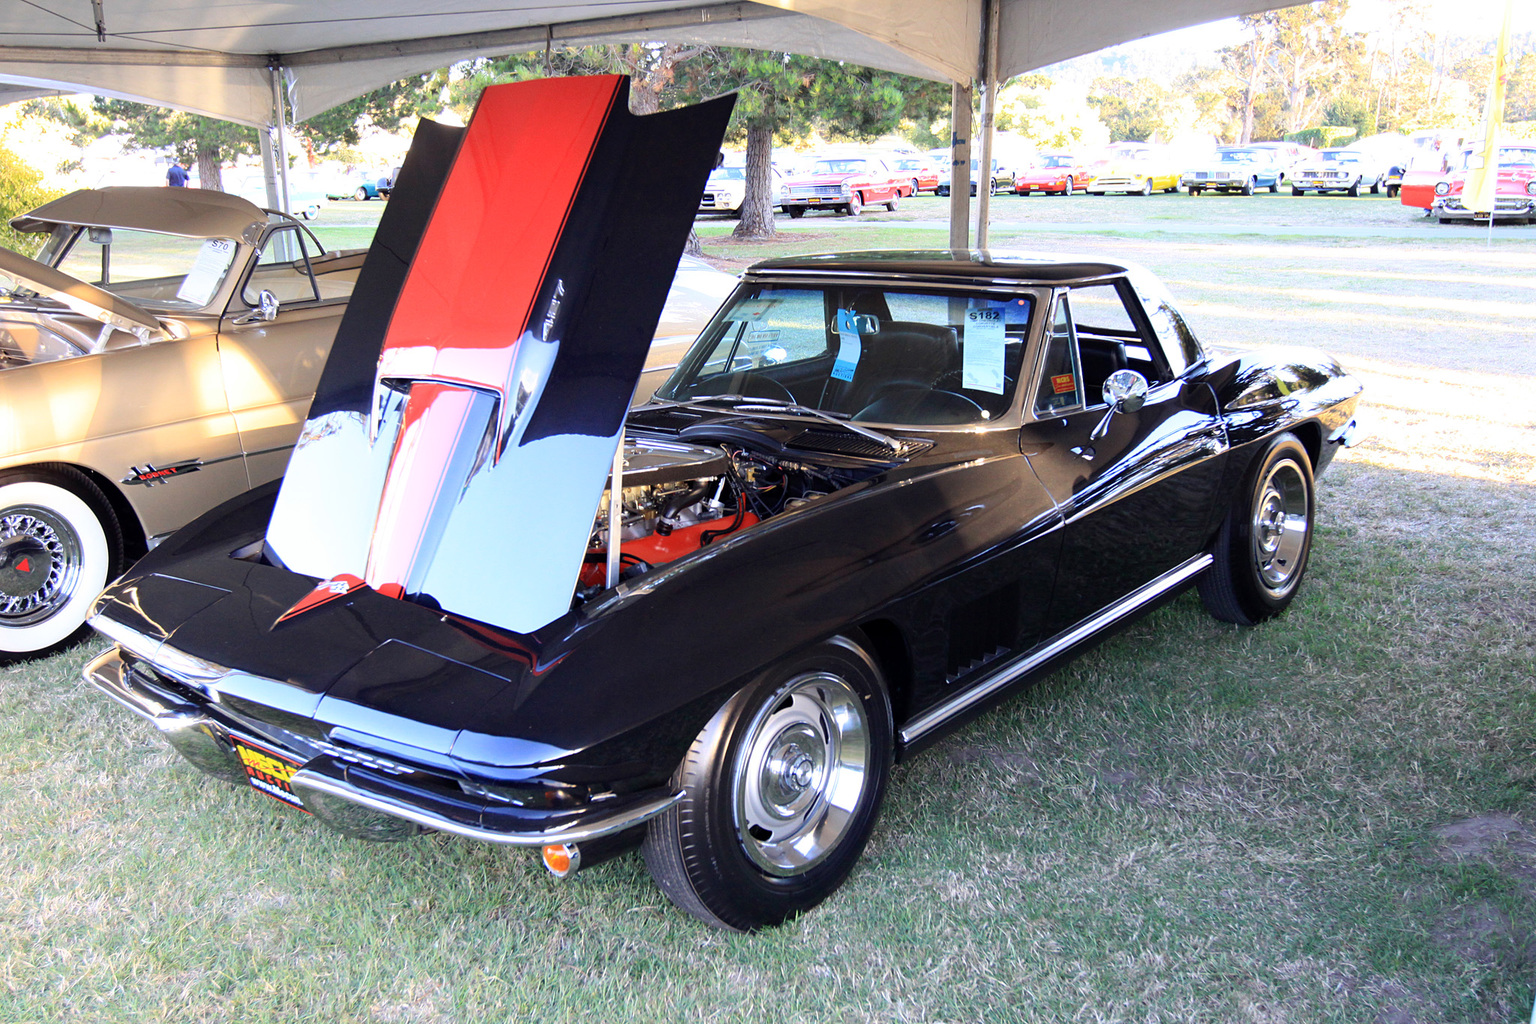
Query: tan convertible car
column 158, row 357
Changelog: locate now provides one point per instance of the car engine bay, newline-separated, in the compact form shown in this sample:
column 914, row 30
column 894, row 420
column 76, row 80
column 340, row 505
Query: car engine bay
column 680, row 496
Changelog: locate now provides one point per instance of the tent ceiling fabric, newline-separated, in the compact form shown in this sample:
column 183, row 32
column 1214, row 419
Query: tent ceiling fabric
column 212, row 56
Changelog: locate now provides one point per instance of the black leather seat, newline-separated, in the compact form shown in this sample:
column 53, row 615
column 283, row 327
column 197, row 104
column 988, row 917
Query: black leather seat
column 905, row 353
column 1101, row 357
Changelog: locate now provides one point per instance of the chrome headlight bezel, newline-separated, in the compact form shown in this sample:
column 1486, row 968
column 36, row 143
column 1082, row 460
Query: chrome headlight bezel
column 1442, row 188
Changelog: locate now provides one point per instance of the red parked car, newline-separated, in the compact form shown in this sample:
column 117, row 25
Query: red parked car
column 1062, row 173
column 925, row 176
column 847, row 184
column 1514, row 199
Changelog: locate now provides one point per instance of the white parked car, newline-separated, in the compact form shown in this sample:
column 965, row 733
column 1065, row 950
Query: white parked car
column 1340, row 170
column 726, row 189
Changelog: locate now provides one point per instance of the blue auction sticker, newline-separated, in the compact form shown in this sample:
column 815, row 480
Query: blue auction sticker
column 848, row 348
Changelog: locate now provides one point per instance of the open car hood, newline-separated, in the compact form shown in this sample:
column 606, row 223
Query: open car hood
column 86, row 299
column 464, row 425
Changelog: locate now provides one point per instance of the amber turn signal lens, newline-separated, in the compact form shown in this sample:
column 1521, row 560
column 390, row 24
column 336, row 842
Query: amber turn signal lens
column 562, row 859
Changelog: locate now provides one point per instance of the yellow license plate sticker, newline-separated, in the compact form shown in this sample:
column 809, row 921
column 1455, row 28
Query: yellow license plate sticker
column 268, row 771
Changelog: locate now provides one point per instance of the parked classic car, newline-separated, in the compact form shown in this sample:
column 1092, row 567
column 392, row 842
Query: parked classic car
column 1515, row 193
column 1244, row 169
column 1339, row 170
column 360, row 189
column 726, row 189
column 1001, row 177
column 924, row 175
column 845, row 183
column 882, row 491
column 1061, row 173
column 159, row 354
column 1135, row 168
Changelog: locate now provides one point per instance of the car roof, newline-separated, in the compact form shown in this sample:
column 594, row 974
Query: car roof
column 938, row 265
column 191, row 212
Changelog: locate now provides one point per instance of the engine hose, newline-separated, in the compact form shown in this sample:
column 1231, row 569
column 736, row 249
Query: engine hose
column 709, row 535
column 675, row 504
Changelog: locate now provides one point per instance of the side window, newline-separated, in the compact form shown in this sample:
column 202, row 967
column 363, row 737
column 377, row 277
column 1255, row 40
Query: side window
column 1061, row 377
column 284, row 269
column 1180, row 347
column 1110, row 338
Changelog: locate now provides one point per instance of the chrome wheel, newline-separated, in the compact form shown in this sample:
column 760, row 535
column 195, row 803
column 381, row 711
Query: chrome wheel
column 801, row 774
column 1280, row 527
column 40, row 559
column 780, row 788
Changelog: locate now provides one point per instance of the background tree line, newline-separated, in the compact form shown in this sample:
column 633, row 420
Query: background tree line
column 1295, row 69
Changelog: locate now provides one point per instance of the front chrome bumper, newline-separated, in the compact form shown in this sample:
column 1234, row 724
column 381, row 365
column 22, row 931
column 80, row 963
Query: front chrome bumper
column 356, row 798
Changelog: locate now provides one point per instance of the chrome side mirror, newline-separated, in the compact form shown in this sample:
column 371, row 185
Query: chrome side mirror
column 265, row 312
column 1124, row 391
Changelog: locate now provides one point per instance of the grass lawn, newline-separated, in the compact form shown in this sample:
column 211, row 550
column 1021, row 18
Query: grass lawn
column 1327, row 818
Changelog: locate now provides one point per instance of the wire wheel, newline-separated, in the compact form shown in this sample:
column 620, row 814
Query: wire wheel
column 40, row 558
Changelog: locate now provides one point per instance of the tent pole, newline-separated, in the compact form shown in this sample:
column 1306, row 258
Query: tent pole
column 990, row 13
column 268, row 166
column 960, row 167
column 279, row 183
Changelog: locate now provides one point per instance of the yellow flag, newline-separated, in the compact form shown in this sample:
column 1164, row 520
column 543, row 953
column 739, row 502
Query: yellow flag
column 1479, row 194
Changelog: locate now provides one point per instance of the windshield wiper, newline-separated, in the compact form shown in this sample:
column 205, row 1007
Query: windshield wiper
column 746, row 404
column 774, row 405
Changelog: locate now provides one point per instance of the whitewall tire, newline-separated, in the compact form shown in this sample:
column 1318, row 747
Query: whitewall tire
column 59, row 545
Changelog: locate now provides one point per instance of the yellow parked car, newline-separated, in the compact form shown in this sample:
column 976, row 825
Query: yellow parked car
column 1135, row 168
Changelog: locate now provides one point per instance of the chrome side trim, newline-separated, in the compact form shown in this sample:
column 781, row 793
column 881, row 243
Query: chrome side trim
column 1062, row 642
column 307, row 780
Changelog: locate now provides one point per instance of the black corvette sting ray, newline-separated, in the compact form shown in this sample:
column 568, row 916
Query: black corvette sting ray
column 882, row 491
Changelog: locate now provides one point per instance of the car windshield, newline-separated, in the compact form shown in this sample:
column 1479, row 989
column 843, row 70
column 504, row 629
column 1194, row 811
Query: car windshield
column 1056, row 161
column 1241, row 156
column 1341, row 157
column 729, row 174
column 840, row 166
column 872, row 353
column 1517, row 157
column 145, row 267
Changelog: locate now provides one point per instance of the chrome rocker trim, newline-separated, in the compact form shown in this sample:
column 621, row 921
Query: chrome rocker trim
column 205, row 742
column 1024, row 664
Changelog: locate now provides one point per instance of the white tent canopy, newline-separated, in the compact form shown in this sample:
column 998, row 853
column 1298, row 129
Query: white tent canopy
column 245, row 60
column 215, row 57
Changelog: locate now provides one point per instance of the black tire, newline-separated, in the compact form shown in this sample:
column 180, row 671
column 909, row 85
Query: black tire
column 1066, row 189
column 1392, row 191
column 823, row 718
column 1274, row 186
column 1296, row 191
column 1193, row 191
column 795, row 212
column 942, row 190
column 1262, row 548
column 1353, row 191
column 361, row 195
column 1248, row 187
column 894, row 201
column 1146, row 187
column 855, row 205
column 915, row 189
column 60, row 544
